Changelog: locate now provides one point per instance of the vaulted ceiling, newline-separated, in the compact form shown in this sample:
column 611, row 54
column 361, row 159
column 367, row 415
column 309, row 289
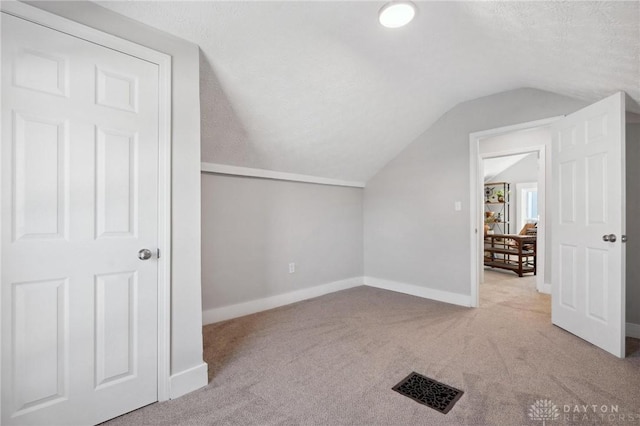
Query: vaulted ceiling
column 321, row 88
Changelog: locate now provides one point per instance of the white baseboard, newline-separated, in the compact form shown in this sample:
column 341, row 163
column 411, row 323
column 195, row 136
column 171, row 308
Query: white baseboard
column 223, row 313
column 211, row 316
column 189, row 380
column 414, row 290
column 546, row 288
column 633, row 330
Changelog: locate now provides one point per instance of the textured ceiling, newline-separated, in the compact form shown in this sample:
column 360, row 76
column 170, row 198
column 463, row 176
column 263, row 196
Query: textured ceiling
column 320, row 88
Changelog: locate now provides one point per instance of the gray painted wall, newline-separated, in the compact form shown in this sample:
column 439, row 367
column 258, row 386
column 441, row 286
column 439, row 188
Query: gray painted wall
column 633, row 223
column 186, row 316
column 253, row 228
column 412, row 233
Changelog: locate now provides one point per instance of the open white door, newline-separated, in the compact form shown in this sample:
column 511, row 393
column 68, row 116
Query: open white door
column 588, row 222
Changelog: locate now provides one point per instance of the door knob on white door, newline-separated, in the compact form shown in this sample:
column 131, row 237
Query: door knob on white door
column 610, row 238
column 144, row 254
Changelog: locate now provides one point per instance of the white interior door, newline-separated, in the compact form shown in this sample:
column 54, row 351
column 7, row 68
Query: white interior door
column 588, row 287
column 79, row 200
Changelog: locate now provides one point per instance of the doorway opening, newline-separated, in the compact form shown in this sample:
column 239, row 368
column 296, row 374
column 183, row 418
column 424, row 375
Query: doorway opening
column 508, row 180
column 511, row 220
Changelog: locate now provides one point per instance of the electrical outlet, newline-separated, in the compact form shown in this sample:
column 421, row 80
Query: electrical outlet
column 457, row 206
column 292, row 268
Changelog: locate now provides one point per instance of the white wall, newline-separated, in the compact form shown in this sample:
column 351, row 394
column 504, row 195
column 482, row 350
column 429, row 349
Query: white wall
column 412, row 233
column 253, row 228
column 187, row 367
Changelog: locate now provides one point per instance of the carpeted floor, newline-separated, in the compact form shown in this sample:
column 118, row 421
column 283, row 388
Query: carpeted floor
column 333, row 361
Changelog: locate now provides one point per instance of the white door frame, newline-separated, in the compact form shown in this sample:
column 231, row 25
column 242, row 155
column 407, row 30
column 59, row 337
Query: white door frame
column 41, row 17
column 476, row 204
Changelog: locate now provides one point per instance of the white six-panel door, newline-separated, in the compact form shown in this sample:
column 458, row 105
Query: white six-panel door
column 79, row 200
column 588, row 286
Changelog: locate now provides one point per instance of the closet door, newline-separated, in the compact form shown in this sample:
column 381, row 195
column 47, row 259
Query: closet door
column 79, row 206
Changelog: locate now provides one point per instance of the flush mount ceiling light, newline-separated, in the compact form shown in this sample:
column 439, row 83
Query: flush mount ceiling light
column 397, row 14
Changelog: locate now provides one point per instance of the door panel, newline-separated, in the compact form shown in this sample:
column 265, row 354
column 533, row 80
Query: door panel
column 40, row 329
column 116, row 90
column 116, row 173
column 79, row 199
column 588, row 273
column 567, row 272
column 37, row 70
column 39, row 176
column 597, row 284
column 567, row 192
column 116, row 317
column 597, row 184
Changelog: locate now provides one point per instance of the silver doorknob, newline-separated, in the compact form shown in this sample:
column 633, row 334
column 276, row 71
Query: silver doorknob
column 610, row 238
column 144, row 254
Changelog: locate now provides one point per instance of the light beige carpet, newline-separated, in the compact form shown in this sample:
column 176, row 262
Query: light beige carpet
column 333, row 361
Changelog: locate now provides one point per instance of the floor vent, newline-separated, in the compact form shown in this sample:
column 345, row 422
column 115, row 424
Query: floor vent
column 429, row 392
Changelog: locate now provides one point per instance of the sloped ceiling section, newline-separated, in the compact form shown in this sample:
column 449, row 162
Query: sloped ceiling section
column 494, row 166
column 320, row 88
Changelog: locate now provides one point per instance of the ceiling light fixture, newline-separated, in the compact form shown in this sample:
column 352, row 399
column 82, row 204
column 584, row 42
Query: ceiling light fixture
column 397, row 14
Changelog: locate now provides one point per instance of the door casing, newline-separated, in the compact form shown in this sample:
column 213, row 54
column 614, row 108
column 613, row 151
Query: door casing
column 163, row 61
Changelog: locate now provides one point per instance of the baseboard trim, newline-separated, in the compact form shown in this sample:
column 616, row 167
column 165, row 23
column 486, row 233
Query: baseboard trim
column 546, row 288
column 414, row 290
column 188, row 380
column 633, row 330
column 223, row 313
column 211, row 316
